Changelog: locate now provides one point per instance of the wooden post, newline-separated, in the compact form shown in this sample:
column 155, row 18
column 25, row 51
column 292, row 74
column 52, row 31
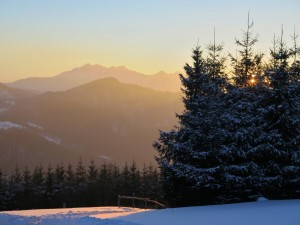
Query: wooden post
column 133, row 204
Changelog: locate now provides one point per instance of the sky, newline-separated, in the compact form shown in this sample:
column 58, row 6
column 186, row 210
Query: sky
column 47, row 37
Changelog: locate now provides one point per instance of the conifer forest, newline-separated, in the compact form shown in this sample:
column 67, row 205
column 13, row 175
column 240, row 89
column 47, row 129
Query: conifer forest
column 77, row 186
column 238, row 138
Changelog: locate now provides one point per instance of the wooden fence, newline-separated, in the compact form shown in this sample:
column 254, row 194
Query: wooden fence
column 145, row 200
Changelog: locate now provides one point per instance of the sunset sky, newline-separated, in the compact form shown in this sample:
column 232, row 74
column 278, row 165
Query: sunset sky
column 46, row 37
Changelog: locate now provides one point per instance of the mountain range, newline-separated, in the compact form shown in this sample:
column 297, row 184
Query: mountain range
column 104, row 120
column 161, row 81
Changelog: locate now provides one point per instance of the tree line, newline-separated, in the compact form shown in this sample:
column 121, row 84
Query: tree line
column 239, row 136
column 77, row 186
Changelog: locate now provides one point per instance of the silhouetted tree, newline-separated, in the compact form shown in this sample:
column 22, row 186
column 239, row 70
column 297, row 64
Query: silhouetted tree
column 247, row 65
column 188, row 155
column 4, row 198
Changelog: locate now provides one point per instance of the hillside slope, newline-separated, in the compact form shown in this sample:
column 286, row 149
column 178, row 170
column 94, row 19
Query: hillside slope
column 104, row 119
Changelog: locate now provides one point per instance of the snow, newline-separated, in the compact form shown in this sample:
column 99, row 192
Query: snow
column 34, row 125
column 104, row 157
column 68, row 216
column 283, row 212
column 261, row 199
column 5, row 125
column 53, row 139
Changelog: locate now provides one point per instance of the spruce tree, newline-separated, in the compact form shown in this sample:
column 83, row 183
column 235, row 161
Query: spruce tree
column 92, row 172
column 125, row 181
column 247, row 65
column 49, row 187
column 59, row 178
column 277, row 153
column 80, row 174
column 295, row 51
column 242, row 127
column 215, row 62
column 188, row 155
column 27, row 189
column 134, row 178
column 38, row 179
column 4, row 198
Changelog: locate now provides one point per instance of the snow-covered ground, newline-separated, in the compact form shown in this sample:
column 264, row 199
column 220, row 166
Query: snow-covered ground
column 285, row 212
column 5, row 125
column 54, row 140
column 34, row 125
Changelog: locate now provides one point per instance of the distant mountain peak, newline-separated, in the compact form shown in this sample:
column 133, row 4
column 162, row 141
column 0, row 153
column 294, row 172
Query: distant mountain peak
column 161, row 72
column 118, row 67
column 91, row 66
column 88, row 72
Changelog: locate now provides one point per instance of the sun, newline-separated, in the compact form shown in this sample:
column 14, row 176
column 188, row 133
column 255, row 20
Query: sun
column 252, row 80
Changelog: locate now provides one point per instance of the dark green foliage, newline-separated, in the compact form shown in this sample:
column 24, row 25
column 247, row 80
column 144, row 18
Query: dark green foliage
column 4, row 194
column 188, row 155
column 247, row 65
column 91, row 186
column 239, row 140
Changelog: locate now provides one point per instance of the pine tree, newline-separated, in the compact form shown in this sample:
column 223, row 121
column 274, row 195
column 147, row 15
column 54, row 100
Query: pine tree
column 125, row 183
column 188, row 155
column 92, row 172
column 134, row 178
column 295, row 51
column 80, row 174
column 38, row 179
column 59, row 178
column 27, row 189
column 4, row 198
column 247, row 67
column 279, row 140
column 15, row 188
column 49, row 187
column 70, row 176
column 153, row 188
column 105, row 184
column 280, row 77
column 59, row 185
column 70, row 186
column 145, row 182
column 242, row 128
column 215, row 62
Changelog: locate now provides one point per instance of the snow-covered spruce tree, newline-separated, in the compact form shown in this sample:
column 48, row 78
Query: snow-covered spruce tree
column 237, row 125
column 277, row 153
column 240, row 122
column 188, row 154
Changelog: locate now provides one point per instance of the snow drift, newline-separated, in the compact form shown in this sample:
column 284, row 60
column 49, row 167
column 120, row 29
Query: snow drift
column 285, row 212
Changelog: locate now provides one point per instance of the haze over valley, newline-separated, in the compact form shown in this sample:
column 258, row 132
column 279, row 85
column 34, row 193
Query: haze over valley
column 110, row 115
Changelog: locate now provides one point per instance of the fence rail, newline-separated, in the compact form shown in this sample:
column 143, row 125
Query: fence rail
column 146, row 201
